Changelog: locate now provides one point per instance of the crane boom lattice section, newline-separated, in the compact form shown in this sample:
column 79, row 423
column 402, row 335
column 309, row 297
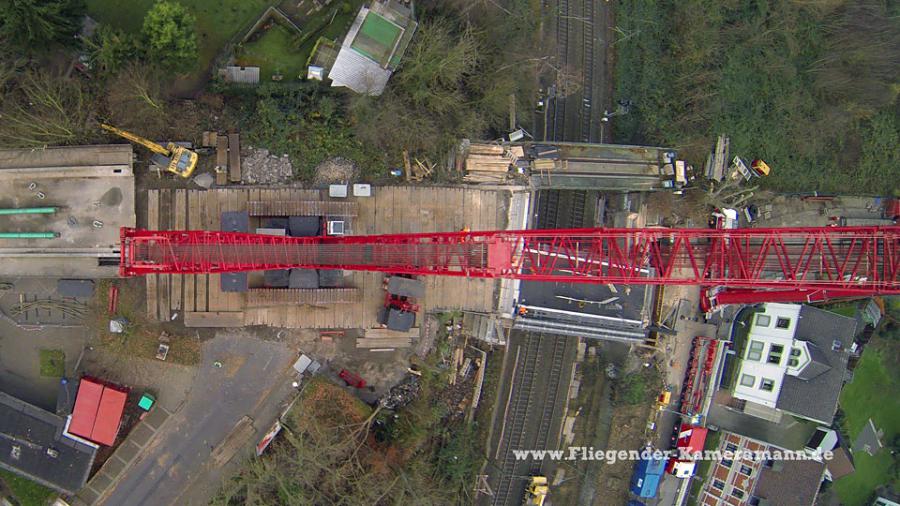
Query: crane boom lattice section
column 864, row 260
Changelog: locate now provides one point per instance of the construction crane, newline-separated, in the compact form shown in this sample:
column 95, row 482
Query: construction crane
column 849, row 261
column 176, row 159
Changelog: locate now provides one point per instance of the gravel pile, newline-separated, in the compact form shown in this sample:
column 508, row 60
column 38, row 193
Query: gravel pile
column 258, row 166
column 335, row 170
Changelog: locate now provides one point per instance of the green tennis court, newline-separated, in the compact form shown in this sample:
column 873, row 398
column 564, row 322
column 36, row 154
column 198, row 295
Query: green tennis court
column 377, row 37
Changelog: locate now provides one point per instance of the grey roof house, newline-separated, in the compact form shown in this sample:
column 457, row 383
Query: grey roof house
column 373, row 47
column 798, row 374
column 813, row 394
column 33, row 443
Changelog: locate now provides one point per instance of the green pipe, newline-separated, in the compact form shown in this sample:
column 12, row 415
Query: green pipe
column 29, row 235
column 30, row 210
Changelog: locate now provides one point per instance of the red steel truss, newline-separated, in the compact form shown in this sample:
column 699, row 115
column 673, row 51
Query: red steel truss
column 863, row 260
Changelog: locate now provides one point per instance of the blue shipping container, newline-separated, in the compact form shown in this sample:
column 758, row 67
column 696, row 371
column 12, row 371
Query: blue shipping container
column 646, row 478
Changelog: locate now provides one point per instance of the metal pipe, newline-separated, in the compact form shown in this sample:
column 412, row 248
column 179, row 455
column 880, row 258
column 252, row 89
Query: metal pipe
column 29, row 235
column 30, row 210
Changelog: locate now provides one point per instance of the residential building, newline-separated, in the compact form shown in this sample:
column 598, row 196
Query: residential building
column 732, row 482
column 748, row 481
column 794, row 362
column 34, row 444
column 373, row 47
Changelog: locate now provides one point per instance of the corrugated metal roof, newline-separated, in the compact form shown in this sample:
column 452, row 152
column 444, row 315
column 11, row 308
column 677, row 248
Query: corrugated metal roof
column 97, row 413
column 242, row 75
column 360, row 74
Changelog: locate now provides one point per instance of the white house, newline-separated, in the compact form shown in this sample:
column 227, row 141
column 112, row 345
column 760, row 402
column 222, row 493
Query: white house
column 795, row 360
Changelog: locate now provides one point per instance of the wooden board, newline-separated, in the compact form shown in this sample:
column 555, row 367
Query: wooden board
column 180, row 224
column 379, row 333
column 297, row 207
column 202, row 279
column 165, row 223
column 151, row 280
column 216, row 319
column 394, row 342
column 234, row 158
column 222, row 153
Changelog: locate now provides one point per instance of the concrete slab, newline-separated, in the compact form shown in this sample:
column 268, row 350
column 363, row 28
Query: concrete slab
column 114, row 466
column 93, row 189
column 128, row 451
column 101, row 481
column 157, row 418
column 141, row 435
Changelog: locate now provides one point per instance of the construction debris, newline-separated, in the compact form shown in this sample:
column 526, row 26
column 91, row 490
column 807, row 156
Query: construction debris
column 336, row 170
column 401, row 394
column 261, row 167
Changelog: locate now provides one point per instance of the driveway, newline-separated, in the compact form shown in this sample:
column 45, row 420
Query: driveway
column 174, row 469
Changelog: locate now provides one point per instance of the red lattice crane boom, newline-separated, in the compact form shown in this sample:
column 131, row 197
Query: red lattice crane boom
column 854, row 260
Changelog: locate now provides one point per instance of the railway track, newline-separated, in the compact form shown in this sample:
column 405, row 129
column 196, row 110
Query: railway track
column 550, row 400
column 526, row 369
column 534, row 366
column 562, row 48
column 575, row 47
column 562, row 208
column 587, row 69
column 576, row 215
column 548, row 209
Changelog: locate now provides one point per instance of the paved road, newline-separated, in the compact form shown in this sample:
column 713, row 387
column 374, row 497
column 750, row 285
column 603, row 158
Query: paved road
column 254, row 378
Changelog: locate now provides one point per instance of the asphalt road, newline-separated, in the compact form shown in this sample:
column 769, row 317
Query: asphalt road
column 253, row 380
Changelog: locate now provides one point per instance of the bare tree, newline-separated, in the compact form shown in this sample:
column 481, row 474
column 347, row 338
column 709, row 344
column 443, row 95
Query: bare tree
column 137, row 97
column 46, row 109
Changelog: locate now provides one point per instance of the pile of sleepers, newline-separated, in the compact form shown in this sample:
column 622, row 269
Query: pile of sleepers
column 490, row 163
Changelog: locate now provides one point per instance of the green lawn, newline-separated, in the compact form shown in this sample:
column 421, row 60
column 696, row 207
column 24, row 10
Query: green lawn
column 273, row 52
column 53, row 363
column 276, row 51
column 217, row 20
column 26, row 492
column 870, row 395
column 848, row 309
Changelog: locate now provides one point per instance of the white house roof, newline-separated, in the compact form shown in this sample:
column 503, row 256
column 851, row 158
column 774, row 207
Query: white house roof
column 360, row 74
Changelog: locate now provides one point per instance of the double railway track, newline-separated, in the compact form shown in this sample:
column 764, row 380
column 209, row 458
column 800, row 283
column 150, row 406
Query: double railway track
column 534, row 369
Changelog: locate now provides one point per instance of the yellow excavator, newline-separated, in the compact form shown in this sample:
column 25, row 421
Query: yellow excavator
column 537, row 490
column 176, row 159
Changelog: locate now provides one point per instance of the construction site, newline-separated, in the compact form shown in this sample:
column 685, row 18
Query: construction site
column 361, row 276
column 168, row 306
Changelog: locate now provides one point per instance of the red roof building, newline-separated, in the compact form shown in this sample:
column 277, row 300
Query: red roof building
column 98, row 411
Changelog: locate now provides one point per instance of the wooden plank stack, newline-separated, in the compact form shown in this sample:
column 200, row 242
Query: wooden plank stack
column 221, row 159
column 234, row 158
column 302, row 208
column 379, row 338
column 217, row 319
column 271, row 297
column 486, row 163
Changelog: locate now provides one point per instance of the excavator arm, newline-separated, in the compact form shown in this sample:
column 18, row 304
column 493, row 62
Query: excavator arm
column 178, row 160
column 152, row 146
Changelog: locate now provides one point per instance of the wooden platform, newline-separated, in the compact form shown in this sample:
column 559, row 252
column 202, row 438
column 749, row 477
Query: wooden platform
column 397, row 209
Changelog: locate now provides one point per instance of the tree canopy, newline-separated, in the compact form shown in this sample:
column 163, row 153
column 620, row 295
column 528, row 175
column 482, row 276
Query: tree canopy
column 36, row 24
column 171, row 35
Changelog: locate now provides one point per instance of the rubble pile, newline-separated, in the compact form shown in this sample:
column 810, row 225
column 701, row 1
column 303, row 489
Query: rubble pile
column 261, row 167
column 335, row 170
column 401, row 394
